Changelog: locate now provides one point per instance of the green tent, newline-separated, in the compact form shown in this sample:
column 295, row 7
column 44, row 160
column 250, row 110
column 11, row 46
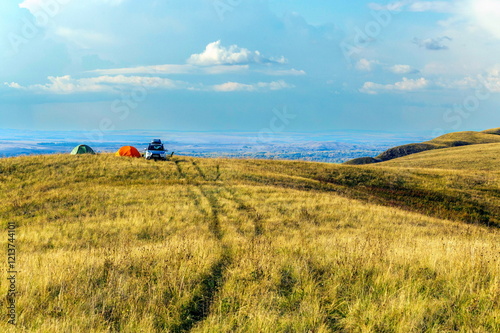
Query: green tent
column 82, row 149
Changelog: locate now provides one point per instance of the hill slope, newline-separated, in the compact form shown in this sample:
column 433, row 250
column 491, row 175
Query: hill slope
column 205, row 245
column 484, row 157
column 445, row 141
column 495, row 131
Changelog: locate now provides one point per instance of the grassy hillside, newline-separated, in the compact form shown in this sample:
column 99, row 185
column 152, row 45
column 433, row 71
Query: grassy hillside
column 445, row 141
column 495, row 131
column 214, row 245
column 485, row 157
column 464, row 138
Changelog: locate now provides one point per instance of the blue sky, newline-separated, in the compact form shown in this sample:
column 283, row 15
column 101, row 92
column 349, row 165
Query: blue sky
column 205, row 65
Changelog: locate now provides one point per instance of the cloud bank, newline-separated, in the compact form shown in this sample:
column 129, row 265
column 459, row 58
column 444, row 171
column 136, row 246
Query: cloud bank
column 215, row 60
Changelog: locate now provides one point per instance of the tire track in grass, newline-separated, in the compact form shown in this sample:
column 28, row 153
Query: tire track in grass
column 251, row 212
column 215, row 225
column 197, row 167
column 197, row 199
column 240, row 204
column 204, row 174
column 215, row 209
column 199, row 307
column 181, row 172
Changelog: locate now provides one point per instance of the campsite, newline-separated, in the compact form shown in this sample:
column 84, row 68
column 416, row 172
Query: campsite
column 155, row 151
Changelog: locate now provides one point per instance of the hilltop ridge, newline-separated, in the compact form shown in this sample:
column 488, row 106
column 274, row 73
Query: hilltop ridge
column 483, row 157
column 449, row 140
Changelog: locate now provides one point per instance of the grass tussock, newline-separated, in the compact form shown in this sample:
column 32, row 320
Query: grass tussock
column 110, row 244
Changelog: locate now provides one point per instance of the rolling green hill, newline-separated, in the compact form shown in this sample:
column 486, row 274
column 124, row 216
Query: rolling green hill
column 445, row 141
column 108, row 244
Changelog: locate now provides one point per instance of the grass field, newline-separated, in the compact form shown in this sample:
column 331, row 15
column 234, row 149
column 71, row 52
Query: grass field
column 109, row 244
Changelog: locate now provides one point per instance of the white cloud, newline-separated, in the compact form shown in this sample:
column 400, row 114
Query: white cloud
column 64, row 85
column 32, row 5
column 283, row 72
column 53, row 7
column 191, row 69
column 461, row 84
column 366, row 65
column 491, row 81
column 432, row 6
column 216, row 54
column 236, row 86
column 224, row 69
column 405, row 85
column 175, row 69
column 433, row 44
column 109, row 84
column 416, row 6
column 393, row 6
column 13, row 85
column 403, row 69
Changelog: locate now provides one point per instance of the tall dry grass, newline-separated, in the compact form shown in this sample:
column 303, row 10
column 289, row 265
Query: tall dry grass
column 110, row 244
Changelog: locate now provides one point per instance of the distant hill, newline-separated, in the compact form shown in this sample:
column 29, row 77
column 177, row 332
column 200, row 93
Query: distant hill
column 445, row 141
column 484, row 157
column 493, row 131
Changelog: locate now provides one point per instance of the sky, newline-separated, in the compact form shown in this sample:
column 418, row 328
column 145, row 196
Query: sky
column 249, row 65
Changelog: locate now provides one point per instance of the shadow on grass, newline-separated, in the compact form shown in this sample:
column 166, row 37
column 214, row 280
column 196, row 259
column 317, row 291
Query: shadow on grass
column 199, row 306
column 391, row 190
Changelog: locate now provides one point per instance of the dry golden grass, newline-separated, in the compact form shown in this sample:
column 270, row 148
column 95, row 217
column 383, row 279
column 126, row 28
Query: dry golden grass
column 474, row 138
column 495, row 131
column 485, row 157
column 110, row 244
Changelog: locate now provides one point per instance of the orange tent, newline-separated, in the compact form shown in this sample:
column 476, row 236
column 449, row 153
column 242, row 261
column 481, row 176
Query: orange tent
column 128, row 151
